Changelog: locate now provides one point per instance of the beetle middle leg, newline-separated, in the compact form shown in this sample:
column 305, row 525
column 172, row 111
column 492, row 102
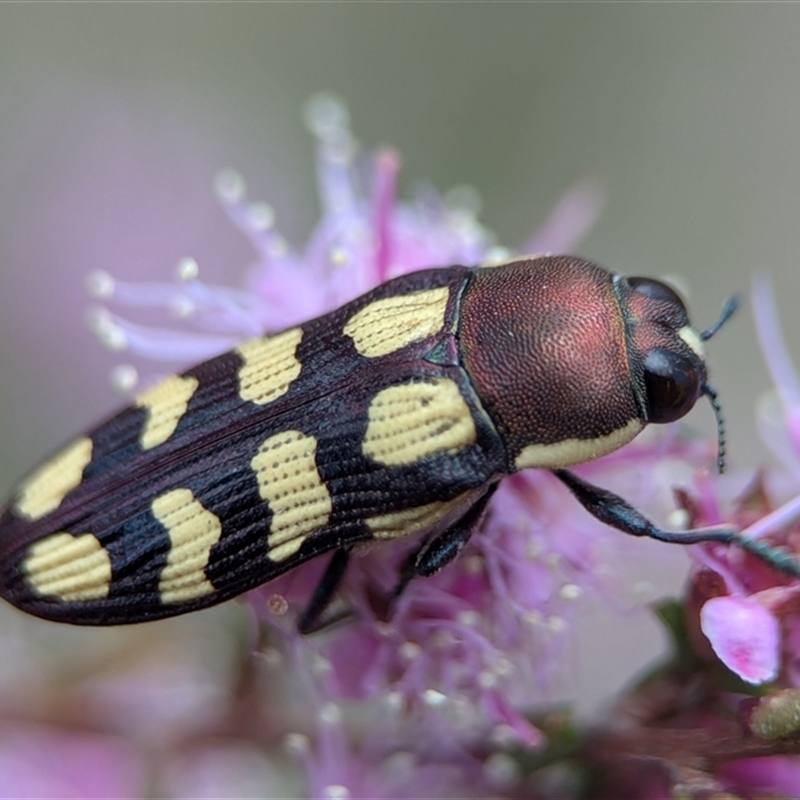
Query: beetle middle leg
column 440, row 549
column 312, row 619
column 435, row 552
column 616, row 512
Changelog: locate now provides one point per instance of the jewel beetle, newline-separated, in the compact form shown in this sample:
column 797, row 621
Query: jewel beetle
column 394, row 415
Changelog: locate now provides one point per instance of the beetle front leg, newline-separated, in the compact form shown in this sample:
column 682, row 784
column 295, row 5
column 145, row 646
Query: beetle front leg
column 614, row 511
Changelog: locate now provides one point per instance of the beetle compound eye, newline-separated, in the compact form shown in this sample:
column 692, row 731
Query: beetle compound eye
column 672, row 385
column 656, row 290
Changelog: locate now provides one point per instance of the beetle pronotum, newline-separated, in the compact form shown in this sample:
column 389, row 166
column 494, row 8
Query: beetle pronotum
column 396, row 414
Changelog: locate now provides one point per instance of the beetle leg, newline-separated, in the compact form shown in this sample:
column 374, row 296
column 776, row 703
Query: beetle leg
column 311, row 619
column 614, row 511
column 439, row 550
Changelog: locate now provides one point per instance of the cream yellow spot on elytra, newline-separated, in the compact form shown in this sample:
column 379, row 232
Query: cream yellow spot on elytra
column 193, row 531
column 414, row 520
column 44, row 490
column 289, row 482
column 391, row 323
column 413, row 420
column 575, row 451
column 270, row 365
column 71, row 568
column 282, row 551
column 165, row 404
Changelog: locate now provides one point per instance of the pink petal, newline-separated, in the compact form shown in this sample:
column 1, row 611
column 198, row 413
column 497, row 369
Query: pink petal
column 744, row 635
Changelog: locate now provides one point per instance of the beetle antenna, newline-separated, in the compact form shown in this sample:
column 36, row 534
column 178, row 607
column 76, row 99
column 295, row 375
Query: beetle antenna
column 727, row 312
column 711, row 394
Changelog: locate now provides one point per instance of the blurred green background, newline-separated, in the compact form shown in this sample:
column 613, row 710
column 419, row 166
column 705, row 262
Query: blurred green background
column 115, row 118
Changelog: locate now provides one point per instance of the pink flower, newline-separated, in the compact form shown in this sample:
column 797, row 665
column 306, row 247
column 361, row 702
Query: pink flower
column 449, row 677
column 745, row 636
column 749, row 612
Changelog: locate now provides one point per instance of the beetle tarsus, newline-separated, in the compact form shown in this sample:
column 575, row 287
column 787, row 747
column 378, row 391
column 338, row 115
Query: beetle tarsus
column 779, row 559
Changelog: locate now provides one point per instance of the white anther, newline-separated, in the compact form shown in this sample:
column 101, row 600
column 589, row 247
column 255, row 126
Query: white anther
column 556, row 624
column 338, row 256
column 97, row 318
column 321, row 665
column 533, row 550
column 487, row 679
column 469, row 618
column 432, row 697
column 110, row 334
column 326, row 116
column 501, row 769
column 394, row 700
column 187, row 269
column 297, row 743
column 643, row 592
column 533, row 617
column 473, row 565
column 100, row 284
column 261, row 216
column 330, row 714
column 335, row 791
column 230, row 187
column 410, row 650
column 503, row 735
column 570, row 591
column 504, row 667
column 271, row 656
column 679, row 519
column 124, row 378
column 182, row 307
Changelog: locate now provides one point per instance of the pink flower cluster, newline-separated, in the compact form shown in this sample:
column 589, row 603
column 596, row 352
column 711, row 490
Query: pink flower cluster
column 428, row 701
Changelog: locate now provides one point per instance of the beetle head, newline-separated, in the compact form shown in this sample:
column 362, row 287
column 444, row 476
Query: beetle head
column 571, row 361
column 666, row 353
